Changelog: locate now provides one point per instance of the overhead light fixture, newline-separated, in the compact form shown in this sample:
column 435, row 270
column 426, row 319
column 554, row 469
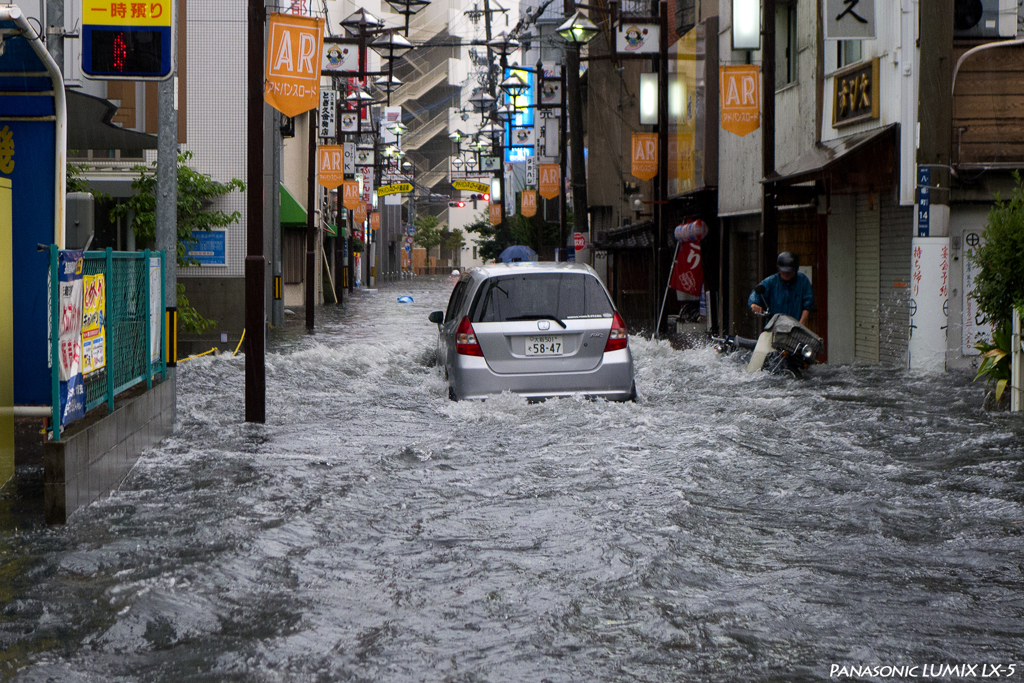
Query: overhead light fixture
column 391, row 46
column 503, row 45
column 578, row 29
column 514, row 85
column 746, row 24
column 361, row 19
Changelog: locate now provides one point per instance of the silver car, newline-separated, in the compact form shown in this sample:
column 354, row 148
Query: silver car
column 539, row 330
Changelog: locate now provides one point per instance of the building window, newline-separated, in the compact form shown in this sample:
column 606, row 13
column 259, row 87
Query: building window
column 848, row 52
column 474, row 253
column 786, row 50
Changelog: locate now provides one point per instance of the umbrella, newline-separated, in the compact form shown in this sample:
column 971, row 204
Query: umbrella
column 517, row 252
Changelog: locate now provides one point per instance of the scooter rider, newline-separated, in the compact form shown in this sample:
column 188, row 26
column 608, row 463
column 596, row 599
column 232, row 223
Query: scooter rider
column 788, row 291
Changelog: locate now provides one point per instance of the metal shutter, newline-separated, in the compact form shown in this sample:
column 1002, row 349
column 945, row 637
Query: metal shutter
column 896, row 233
column 866, row 281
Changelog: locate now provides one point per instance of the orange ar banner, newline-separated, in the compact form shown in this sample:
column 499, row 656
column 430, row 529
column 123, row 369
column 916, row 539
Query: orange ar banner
column 375, row 220
column 350, row 198
column 741, row 98
column 528, row 203
column 549, row 180
column 293, row 63
column 359, row 213
column 331, row 165
column 645, row 155
column 494, row 213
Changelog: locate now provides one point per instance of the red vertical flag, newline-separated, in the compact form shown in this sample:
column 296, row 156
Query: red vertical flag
column 688, row 274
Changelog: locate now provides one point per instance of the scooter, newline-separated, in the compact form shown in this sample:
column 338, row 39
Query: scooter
column 785, row 347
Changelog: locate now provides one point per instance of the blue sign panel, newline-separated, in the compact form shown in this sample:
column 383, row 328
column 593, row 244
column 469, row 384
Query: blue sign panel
column 211, row 248
column 27, row 158
column 924, row 199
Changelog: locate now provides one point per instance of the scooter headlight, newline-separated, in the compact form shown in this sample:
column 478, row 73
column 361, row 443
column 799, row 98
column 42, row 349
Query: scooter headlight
column 807, row 352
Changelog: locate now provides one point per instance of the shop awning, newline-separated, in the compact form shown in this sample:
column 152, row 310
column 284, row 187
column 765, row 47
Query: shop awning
column 292, row 213
column 825, row 155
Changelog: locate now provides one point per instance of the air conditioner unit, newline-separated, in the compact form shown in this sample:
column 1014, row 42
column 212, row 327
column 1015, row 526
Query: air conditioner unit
column 985, row 19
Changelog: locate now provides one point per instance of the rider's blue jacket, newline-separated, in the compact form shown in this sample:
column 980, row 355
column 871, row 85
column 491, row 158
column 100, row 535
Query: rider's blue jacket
column 791, row 298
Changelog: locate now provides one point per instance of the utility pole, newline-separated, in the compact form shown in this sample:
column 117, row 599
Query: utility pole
column 935, row 109
column 255, row 261
column 311, row 226
column 167, row 208
column 769, row 225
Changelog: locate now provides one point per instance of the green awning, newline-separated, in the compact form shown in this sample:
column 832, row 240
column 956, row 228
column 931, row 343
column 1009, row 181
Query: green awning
column 292, row 213
column 331, row 229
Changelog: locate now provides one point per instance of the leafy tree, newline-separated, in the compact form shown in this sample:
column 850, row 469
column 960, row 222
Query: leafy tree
column 195, row 193
column 452, row 240
column 428, row 235
column 999, row 287
column 75, row 183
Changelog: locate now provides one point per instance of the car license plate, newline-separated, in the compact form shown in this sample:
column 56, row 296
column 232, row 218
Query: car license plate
column 543, row 346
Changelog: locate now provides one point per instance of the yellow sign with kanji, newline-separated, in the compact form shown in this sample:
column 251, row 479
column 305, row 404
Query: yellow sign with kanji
column 528, row 203
column 294, row 49
column 394, row 188
column 740, row 98
column 127, row 13
column 645, row 155
column 549, row 180
column 330, row 165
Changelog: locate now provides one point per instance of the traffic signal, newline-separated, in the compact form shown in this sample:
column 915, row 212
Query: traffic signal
column 457, row 205
column 479, row 197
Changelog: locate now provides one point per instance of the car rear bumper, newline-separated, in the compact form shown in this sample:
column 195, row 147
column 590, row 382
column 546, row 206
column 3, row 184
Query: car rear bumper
column 471, row 378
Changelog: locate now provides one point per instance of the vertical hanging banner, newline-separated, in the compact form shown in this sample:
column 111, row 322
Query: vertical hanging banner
column 645, row 155
column 350, row 198
column 94, row 304
column 528, row 203
column 359, row 213
column 375, row 220
column 740, row 98
column 549, row 180
column 328, row 113
column 688, row 274
column 69, row 352
column 929, row 295
column 494, row 213
column 294, row 51
column 331, row 165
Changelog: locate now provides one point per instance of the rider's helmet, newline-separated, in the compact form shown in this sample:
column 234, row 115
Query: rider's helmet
column 788, row 262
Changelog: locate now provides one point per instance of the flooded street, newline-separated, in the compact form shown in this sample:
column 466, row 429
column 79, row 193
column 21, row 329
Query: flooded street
column 726, row 527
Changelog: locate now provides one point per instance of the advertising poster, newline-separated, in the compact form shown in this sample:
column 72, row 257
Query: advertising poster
column 975, row 330
column 69, row 350
column 156, row 309
column 210, row 248
column 94, row 331
column 929, row 296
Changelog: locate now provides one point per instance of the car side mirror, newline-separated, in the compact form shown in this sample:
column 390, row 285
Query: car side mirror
column 437, row 317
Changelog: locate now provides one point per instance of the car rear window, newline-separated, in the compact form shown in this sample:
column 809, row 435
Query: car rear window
column 532, row 296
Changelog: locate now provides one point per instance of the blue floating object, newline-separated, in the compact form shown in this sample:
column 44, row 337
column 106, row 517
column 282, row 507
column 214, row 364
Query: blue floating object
column 405, row 299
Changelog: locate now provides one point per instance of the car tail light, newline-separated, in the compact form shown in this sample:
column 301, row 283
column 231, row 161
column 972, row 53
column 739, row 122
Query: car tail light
column 465, row 339
column 618, row 338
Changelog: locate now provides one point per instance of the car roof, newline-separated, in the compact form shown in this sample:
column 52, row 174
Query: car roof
column 498, row 269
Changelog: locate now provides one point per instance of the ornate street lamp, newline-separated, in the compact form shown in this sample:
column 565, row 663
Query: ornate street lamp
column 408, row 8
column 514, row 86
column 481, row 100
column 578, row 29
column 503, row 45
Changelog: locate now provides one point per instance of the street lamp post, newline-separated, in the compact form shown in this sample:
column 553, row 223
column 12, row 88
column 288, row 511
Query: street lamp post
column 577, row 30
column 255, row 261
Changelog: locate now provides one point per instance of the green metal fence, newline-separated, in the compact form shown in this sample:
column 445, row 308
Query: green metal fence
column 130, row 320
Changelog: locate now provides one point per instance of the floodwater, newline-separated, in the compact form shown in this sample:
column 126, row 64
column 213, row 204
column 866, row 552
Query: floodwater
column 725, row 527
